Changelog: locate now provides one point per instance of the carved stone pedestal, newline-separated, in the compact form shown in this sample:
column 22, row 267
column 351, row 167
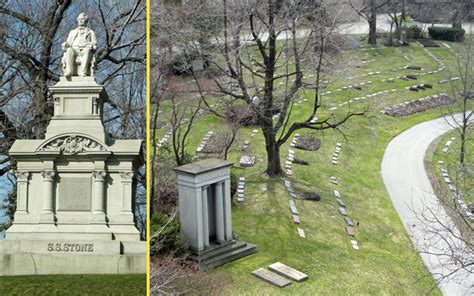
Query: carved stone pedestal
column 75, row 189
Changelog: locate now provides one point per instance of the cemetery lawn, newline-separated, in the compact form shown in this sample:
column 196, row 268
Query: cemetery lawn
column 73, row 285
column 451, row 162
column 387, row 262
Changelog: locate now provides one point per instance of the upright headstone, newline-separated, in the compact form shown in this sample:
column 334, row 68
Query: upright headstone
column 205, row 213
column 403, row 38
column 75, row 188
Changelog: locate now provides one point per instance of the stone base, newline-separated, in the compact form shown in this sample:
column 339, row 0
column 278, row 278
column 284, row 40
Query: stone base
column 221, row 254
column 30, row 257
column 99, row 232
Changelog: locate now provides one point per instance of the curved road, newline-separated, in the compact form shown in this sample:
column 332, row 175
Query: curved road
column 412, row 195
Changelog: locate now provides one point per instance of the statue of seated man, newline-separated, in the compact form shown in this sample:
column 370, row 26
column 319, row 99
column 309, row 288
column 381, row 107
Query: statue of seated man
column 79, row 49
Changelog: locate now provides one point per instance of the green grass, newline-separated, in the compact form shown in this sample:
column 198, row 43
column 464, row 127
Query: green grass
column 73, row 285
column 451, row 163
column 387, row 263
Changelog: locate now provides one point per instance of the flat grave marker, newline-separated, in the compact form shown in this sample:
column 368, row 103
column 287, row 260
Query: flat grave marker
column 340, row 202
column 301, row 233
column 342, row 211
column 294, row 211
column 271, row 277
column 247, row 161
column 288, row 272
column 350, row 230
column 348, row 221
column 296, row 219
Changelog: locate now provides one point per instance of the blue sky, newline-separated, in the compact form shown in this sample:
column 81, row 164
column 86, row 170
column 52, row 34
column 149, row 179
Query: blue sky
column 5, row 187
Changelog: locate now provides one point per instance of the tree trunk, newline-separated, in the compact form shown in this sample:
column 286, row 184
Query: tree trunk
column 463, row 149
column 457, row 24
column 373, row 22
column 463, row 140
column 373, row 31
column 273, row 153
column 404, row 14
column 41, row 116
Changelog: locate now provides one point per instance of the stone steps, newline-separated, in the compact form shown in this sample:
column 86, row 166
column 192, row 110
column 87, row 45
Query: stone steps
column 225, row 254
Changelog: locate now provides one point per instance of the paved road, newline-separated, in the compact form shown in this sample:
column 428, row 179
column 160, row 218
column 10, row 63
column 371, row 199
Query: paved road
column 359, row 27
column 409, row 188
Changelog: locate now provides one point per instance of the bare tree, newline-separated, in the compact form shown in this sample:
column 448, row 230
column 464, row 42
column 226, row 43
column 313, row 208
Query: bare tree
column 463, row 92
column 252, row 77
column 256, row 73
column 174, row 276
column 184, row 113
column 367, row 9
column 461, row 10
column 452, row 249
column 393, row 9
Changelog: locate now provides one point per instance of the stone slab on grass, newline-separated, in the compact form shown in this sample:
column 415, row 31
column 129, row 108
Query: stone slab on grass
column 350, row 230
column 348, row 221
column 247, row 161
column 271, row 277
column 296, row 219
column 342, row 211
column 340, row 202
column 301, row 233
column 288, row 272
column 294, row 211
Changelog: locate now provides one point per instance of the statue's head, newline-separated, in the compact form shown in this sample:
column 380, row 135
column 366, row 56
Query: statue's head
column 82, row 19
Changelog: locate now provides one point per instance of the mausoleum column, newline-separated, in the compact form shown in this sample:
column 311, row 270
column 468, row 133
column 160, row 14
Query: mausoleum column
column 22, row 192
column 205, row 216
column 219, row 212
column 227, row 211
column 47, row 215
column 127, row 180
column 98, row 202
column 199, row 221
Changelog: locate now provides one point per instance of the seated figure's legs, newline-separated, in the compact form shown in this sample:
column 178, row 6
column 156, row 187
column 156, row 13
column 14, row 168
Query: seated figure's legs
column 85, row 62
column 69, row 58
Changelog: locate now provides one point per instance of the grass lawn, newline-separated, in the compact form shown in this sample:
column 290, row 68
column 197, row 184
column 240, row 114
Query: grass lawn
column 465, row 185
column 73, row 285
column 386, row 263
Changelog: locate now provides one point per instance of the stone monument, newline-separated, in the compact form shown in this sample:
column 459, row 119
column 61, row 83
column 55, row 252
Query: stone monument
column 75, row 188
column 403, row 38
column 205, row 213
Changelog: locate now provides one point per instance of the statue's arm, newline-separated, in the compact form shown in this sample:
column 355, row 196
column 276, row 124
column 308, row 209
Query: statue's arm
column 93, row 40
column 68, row 42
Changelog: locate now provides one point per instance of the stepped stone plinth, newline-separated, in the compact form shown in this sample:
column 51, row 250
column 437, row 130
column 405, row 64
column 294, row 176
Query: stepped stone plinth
column 75, row 192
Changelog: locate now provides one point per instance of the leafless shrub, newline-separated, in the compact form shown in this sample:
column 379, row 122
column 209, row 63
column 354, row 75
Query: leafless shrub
column 176, row 276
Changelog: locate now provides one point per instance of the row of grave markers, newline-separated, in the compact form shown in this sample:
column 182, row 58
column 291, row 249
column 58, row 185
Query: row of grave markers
column 241, row 189
column 204, row 141
column 294, row 211
column 422, row 104
column 413, row 76
column 361, row 98
column 164, row 139
column 335, row 155
column 291, row 155
column 457, row 196
column 340, row 202
column 245, row 161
